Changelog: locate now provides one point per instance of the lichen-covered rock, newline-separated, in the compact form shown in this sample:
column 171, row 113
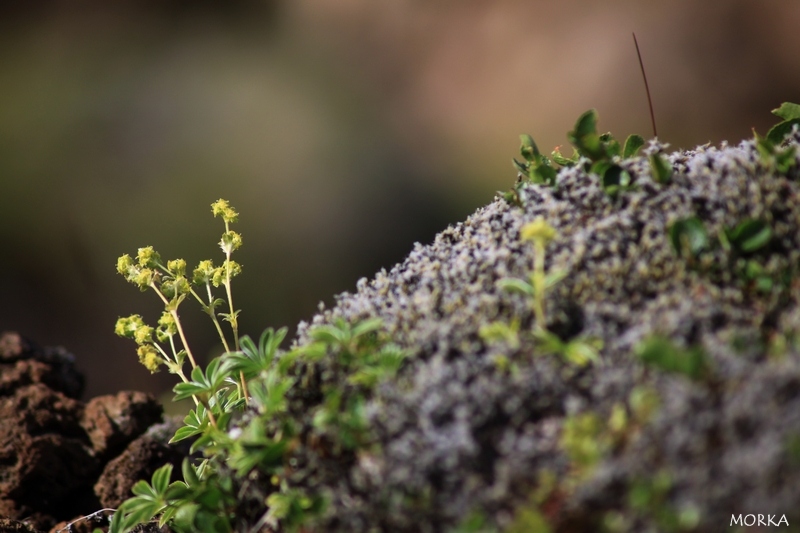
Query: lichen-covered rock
column 460, row 434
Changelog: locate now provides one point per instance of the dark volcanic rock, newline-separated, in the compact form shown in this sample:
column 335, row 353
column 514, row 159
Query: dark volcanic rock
column 13, row 526
column 139, row 460
column 53, row 447
column 113, row 421
column 45, row 455
column 22, row 363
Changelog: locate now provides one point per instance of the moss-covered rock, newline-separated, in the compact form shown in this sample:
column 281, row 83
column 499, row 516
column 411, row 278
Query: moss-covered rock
column 497, row 430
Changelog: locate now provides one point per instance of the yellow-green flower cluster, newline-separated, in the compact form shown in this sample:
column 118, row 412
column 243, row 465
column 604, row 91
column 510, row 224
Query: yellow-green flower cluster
column 133, row 327
column 538, row 231
column 230, row 241
column 206, row 272
column 170, row 281
column 148, row 258
column 221, row 208
column 149, row 357
column 140, row 274
column 167, row 327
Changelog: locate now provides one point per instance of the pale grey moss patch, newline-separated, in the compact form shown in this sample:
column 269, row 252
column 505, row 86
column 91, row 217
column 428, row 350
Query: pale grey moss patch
column 458, row 435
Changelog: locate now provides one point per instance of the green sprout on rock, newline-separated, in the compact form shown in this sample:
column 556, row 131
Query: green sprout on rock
column 578, row 351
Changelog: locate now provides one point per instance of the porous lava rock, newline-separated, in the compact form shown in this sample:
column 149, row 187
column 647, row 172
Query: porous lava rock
column 139, row 460
column 54, row 447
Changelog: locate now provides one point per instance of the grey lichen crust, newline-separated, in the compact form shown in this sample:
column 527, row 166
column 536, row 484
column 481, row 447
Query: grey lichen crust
column 460, row 433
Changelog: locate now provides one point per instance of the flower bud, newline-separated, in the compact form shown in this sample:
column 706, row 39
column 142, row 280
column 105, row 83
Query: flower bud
column 233, row 267
column 144, row 278
column 143, row 335
column 177, row 267
column 538, row 231
column 222, row 208
column 230, row 241
column 127, row 326
column 203, row 273
column 124, row 264
column 149, row 357
column 148, row 258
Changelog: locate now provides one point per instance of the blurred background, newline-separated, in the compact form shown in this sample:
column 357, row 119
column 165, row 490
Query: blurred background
column 342, row 131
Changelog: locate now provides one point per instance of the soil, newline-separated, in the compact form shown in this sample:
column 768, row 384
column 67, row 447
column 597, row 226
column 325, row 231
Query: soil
column 62, row 458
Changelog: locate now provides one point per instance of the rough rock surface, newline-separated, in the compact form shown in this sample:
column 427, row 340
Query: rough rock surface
column 53, row 447
column 460, row 435
column 139, row 460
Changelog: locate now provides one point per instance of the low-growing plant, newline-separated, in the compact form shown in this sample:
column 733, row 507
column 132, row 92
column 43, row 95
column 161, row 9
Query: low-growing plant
column 598, row 154
column 254, row 382
column 578, row 351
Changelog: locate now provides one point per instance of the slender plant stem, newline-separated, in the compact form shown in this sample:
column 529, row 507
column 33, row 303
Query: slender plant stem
column 174, row 313
column 539, row 285
column 646, row 87
column 233, row 318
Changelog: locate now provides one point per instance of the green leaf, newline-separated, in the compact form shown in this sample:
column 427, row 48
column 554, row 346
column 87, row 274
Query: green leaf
column 549, row 342
column 779, row 131
column 252, row 359
column 613, row 178
column 586, row 124
column 269, row 392
column 194, row 423
column 202, row 442
column 750, row 235
column 786, row 159
column 543, row 174
column 142, row 488
column 187, row 390
column 660, row 352
column 140, row 509
column 585, row 138
column 185, row 515
column 166, row 515
column 559, row 158
column 511, row 197
column 688, row 237
column 522, row 168
column 632, row 145
column 611, row 145
column 787, row 111
column 161, row 479
column 661, row 169
column 178, row 490
column 582, row 352
column 528, row 148
column 184, row 433
column 330, row 335
column 515, row 285
column 367, row 326
column 189, row 473
column 552, row 278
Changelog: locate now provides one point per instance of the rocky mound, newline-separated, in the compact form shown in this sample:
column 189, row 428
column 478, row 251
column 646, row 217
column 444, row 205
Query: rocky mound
column 61, row 458
column 577, row 448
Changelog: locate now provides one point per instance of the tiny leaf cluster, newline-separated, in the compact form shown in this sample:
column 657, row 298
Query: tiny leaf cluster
column 578, row 351
column 598, row 154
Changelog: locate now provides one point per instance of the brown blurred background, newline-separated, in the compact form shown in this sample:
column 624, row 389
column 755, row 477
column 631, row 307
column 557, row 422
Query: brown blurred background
column 343, row 132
